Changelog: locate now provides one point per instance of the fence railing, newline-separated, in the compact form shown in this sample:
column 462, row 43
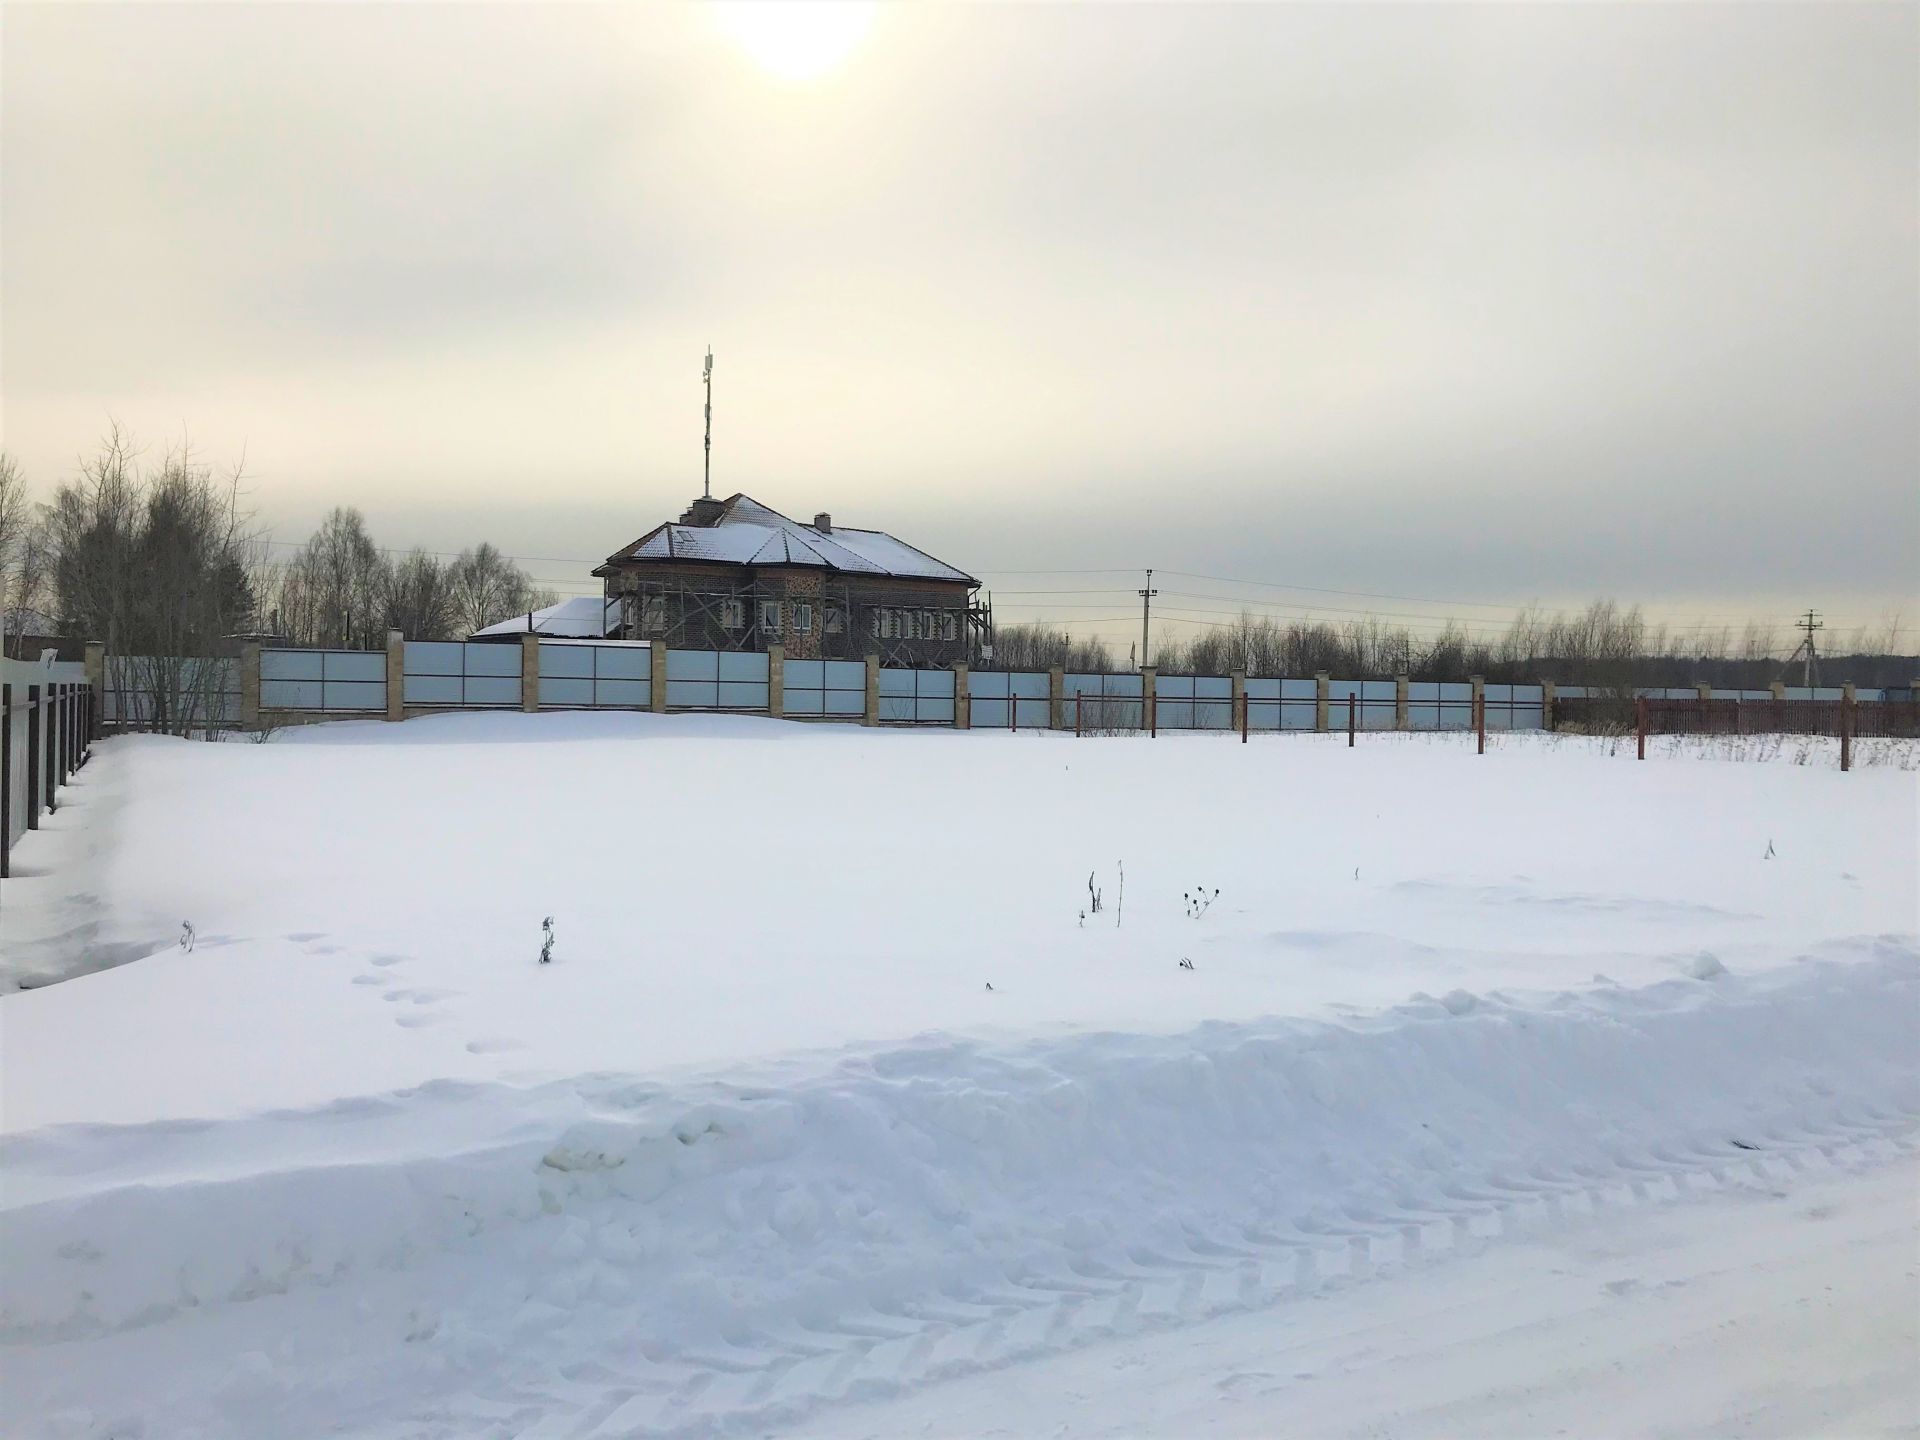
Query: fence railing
column 48, row 718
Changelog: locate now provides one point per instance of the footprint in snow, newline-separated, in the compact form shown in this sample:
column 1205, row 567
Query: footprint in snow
column 495, row 1045
column 385, row 960
column 416, row 1021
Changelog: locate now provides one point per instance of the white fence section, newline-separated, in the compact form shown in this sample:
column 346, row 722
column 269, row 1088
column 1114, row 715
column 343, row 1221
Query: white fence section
column 991, row 692
column 460, row 673
column 591, row 674
column 825, row 687
column 916, row 697
column 172, row 693
column 351, row 680
column 1193, row 702
column 716, row 680
column 1297, row 711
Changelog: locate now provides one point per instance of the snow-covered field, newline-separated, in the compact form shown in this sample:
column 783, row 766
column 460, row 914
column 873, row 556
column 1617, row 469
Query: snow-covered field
column 832, row 1098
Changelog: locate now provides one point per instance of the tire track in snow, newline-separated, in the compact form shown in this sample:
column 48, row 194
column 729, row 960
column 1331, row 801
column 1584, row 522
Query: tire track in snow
column 714, row 1394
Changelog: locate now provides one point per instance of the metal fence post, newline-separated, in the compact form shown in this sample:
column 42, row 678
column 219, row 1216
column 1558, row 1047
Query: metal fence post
column 1353, row 709
column 6, row 777
column 1640, row 724
column 33, row 757
column 1480, row 720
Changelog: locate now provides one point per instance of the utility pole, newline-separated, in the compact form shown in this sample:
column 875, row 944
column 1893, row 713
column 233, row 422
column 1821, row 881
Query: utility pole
column 1146, row 616
column 706, row 463
column 1810, row 664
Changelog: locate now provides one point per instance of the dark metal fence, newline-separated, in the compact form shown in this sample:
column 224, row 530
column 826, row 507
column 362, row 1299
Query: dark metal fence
column 48, row 721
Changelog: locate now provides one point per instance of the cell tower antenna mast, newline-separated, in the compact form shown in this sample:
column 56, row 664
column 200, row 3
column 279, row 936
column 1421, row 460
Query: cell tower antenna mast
column 706, row 462
column 1810, row 670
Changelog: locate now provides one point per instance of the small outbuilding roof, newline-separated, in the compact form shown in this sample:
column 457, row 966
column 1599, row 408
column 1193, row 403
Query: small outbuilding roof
column 581, row 617
column 749, row 533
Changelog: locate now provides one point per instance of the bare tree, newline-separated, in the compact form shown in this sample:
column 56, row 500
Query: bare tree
column 417, row 594
column 487, row 588
column 154, row 563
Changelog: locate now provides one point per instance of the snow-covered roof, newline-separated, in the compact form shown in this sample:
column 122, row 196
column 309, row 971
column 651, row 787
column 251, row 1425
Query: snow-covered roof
column 749, row 533
column 585, row 617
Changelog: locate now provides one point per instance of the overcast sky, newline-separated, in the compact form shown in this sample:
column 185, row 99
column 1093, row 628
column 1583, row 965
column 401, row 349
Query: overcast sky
column 1455, row 302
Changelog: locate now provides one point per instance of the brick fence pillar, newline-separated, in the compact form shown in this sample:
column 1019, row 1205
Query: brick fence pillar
column 1056, row 696
column 776, row 681
column 1321, row 692
column 870, row 713
column 962, row 702
column 1779, row 689
column 1546, row 704
column 1847, row 693
column 250, row 685
column 1703, row 689
column 1149, row 700
column 529, row 671
column 1239, row 679
column 1479, row 700
column 1401, row 684
column 396, row 675
column 657, row 671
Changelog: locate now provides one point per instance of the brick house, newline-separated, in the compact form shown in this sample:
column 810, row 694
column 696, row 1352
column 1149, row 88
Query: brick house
column 736, row 575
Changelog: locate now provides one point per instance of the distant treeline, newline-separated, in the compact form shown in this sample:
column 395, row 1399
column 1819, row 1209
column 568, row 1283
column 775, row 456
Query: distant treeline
column 160, row 557
column 1604, row 645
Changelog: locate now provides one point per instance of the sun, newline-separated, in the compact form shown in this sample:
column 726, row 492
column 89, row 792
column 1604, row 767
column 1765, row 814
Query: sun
column 796, row 39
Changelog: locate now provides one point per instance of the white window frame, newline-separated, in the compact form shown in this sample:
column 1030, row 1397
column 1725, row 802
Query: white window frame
column 769, row 617
column 803, row 617
column 949, row 626
column 733, row 614
column 836, row 620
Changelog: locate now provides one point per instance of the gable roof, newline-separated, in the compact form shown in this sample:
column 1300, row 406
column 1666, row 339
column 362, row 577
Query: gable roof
column 749, row 533
column 579, row 617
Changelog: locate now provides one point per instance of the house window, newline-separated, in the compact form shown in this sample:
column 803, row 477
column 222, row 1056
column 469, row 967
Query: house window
column 770, row 617
column 836, row 620
column 927, row 632
column 875, row 620
column 803, row 618
column 733, row 614
column 949, row 626
column 653, row 615
column 911, row 630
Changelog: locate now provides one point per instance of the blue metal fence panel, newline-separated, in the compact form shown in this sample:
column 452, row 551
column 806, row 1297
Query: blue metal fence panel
column 1375, row 702
column 990, row 692
column 916, row 697
column 1193, row 702
column 353, row 680
column 1111, row 701
column 590, row 675
column 456, row 673
column 716, row 680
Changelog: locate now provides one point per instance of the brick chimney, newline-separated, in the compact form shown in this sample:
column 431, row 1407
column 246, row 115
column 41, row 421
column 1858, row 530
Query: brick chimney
column 823, row 522
column 704, row 512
